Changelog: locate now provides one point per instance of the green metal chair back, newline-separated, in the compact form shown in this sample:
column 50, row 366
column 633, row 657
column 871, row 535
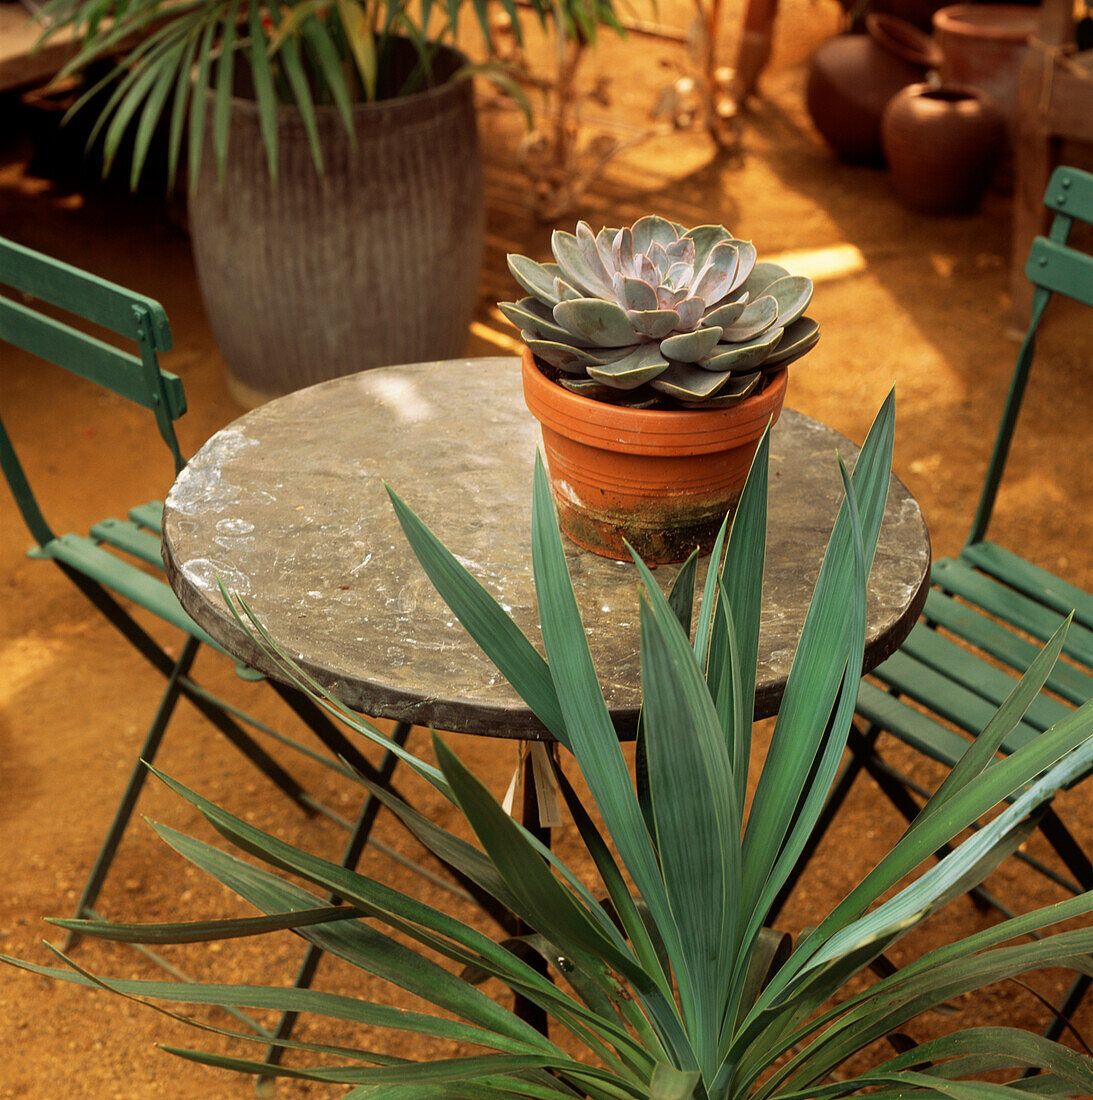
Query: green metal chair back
column 1053, row 268
column 984, row 610
column 136, row 377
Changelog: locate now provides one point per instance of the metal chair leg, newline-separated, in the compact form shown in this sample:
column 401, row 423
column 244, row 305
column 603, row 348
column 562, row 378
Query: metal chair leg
column 133, row 788
column 359, row 837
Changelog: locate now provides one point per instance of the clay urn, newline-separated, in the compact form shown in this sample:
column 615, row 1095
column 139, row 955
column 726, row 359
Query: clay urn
column 852, row 77
column 942, row 145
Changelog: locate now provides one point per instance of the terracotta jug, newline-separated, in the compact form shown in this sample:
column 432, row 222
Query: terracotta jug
column 942, row 146
column 852, row 77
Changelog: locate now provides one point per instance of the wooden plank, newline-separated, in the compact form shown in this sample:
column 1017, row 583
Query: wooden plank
column 123, row 535
column 909, row 725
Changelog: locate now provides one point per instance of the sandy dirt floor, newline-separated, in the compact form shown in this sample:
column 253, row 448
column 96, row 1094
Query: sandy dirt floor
column 904, row 300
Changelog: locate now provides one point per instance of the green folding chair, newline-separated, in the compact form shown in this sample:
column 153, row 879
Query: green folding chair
column 117, row 564
column 944, row 683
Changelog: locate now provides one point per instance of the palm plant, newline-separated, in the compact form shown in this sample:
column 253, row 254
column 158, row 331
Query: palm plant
column 665, row 974
column 165, row 55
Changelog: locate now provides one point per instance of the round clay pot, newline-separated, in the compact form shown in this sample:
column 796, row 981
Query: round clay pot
column 982, row 45
column 852, row 77
column 662, row 480
column 372, row 263
column 942, row 146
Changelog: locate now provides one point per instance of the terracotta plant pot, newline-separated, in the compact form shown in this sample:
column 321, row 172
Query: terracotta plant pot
column 662, row 480
column 942, row 146
column 852, row 77
column 983, row 45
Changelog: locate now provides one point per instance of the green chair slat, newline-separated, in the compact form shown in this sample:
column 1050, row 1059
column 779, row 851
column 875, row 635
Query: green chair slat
column 134, row 540
column 86, row 356
column 1034, row 582
column 86, row 557
column 1055, row 267
column 1005, row 603
column 946, row 698
column 79, row 292
column 1002, row 644
column 910, row 725
column 970, row 671
column 149, row 515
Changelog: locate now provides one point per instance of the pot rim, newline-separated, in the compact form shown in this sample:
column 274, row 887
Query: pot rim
column 904, row 39
column 661, row 432
column 974, row 21
column 941, row 93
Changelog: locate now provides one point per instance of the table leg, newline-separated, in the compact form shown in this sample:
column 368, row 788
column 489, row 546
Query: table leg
column 526, row 1010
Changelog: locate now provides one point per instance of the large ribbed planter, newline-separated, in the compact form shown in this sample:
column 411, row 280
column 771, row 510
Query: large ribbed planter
column 375, row 262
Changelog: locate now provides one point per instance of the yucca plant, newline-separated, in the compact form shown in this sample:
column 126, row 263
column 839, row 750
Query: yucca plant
column 664, row 973
column 165, row 54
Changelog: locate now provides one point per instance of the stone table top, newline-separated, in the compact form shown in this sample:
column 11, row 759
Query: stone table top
column 287, row 507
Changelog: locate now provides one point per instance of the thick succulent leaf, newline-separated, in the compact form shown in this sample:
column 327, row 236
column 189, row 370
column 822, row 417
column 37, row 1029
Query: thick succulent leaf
column 740, row 358
column 536, row 279
column 762, row 275
column 728, row 313
column 587, row 387
column 705, row 237
column 678, row 274
column 800, row 337
column 622, row 251
column 566, row 292
column 658, row 257
column 563, row 356
column 668, row 298
column 747, row 262
column 642, row 365
column 690, row 312
column 735, row 390
column 592, row 279
column 793, row 295
column 602, row 324
column 605, row 240
column 689, row 347
column 718, row 275
column 755, row 318
column 653, row 230
column 590, row 252
column 531, row 315
column 634, row 293
column 653, row 323
column 686, row 382
column 682, row 252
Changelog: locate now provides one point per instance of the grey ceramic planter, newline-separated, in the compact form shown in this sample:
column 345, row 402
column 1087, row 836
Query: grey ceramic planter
column 375, row 262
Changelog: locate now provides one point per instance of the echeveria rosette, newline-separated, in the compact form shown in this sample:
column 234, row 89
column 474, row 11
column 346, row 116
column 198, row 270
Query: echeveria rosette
column 687, row 312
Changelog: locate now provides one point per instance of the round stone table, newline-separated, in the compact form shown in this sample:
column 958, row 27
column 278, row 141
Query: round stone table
column 287, row 507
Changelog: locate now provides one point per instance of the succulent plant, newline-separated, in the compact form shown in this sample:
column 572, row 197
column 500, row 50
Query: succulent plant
column 686, row 312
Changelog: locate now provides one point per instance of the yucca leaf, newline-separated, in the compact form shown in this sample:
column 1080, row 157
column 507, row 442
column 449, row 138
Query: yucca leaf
column 592, row 737
column 204, row 931
column 694, row 808
column 818, row 667
column 1000, row 1048
column 543, row 901
column 669, row 1083
column 498, row 636
column 982, row 750
column 741, row 578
